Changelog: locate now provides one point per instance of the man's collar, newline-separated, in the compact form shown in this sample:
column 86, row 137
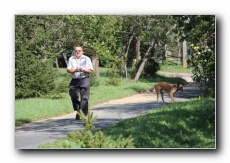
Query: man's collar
column 83, row 56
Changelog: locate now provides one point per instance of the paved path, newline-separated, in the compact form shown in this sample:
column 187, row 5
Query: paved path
column 31, row 135
column 185, row 76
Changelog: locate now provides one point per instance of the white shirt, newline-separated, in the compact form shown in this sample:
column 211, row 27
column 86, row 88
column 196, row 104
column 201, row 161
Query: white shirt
column 84, row 62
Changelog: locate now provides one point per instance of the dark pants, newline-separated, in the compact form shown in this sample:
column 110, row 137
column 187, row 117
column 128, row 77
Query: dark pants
column 80, row 88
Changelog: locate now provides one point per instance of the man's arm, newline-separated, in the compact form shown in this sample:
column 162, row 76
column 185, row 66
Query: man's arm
column 69, row 67
column 79, row 70
column 89, row 71
column 70, row 70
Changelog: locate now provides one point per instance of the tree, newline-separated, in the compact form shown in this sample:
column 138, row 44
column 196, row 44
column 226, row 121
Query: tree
column 96, row 34
column 155, row 28
column 108, row 39
column 141, row 68
column 199, row 30
column 34, row 73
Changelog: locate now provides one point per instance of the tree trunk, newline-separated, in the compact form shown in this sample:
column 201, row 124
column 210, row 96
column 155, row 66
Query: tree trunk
column 124, row 55
column 179, row 54
column 141, row 68
column 66, row 61
column 184, row 53
column 131, row 57
column 57, row 66
column 155, row 53
column 138, row 44
column 164, row 54
column 122, row 68
column 95, row 63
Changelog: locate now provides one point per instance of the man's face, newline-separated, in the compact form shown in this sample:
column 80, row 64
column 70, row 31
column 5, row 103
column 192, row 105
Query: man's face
column 78, row 52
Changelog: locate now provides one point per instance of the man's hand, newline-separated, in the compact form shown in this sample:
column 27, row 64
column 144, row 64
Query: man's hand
column 79, row 70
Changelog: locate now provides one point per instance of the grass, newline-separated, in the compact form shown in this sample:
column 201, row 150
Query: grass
column 28, row 110
column 175, row 68
column 181, row 125
column 188, row 124
column 32, row 109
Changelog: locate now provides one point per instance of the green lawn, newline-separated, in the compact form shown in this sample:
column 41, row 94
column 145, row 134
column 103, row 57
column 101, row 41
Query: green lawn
column 175, row 68
column 180, row 125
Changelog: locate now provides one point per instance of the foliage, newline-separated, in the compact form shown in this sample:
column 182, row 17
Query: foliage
column 199, row 31
column 62, row 83
column 113, row 78
column 203, row 61
column 86, row 139
column 44, row 38
column 89, row 120
column 33, row 77
column 34, row 73
column 154, row 33
column 95, row 33
column 94, row 82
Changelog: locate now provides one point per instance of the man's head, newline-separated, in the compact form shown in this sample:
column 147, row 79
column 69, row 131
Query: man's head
column 78, row 51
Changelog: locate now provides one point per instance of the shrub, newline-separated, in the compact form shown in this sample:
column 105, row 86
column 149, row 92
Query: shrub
column 203, row 63
column 34, row 56
column 91, row 139
column 150, row 69
column 33, row 77
column 113, row 77
column 61, row 86
column 93, row 80
column 86, row 139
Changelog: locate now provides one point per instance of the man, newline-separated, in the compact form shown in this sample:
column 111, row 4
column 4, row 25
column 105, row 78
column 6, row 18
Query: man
column 80, row 66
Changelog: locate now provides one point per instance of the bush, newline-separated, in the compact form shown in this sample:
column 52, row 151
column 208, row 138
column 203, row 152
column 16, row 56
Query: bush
column 113, row 77
column 33, row 76
column 93, row 80
column 86, row 139
column 203, row 63
column 150, row 69
column 61, row 86
column 91, row 139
